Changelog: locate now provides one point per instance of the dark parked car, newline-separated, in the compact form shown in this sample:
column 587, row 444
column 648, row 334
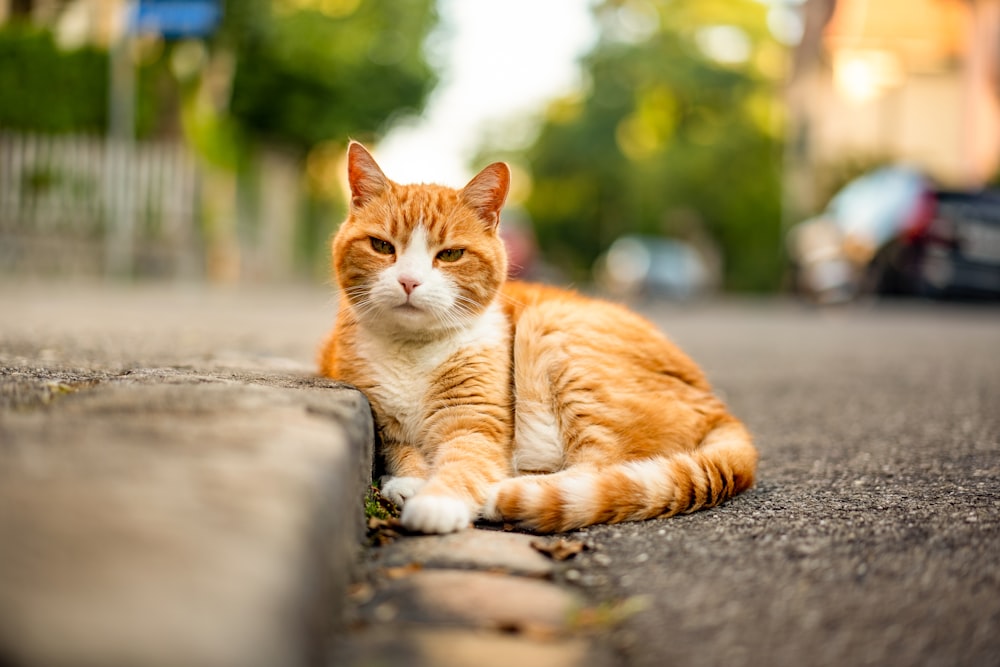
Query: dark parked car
column 893, row 232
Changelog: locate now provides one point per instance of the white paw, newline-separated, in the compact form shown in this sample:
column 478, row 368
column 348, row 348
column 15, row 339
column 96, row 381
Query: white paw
column 436, row 514
column 400, row 489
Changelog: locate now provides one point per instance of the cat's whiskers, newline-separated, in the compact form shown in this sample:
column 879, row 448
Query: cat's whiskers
column 462, row 314
column 465, row 304
column 362, row 302
column 509, row 299
column 451, row 319
column 370, row 308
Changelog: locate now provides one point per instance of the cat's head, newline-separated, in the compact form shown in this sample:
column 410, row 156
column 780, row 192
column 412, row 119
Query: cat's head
column 419, row 259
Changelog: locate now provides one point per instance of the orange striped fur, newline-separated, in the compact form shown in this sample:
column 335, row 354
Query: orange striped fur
column 511, row 401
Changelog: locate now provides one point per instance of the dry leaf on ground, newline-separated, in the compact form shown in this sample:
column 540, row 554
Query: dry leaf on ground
column 561, row 549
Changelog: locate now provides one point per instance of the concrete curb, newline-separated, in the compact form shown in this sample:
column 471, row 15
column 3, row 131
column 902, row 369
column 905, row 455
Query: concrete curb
column 168, row 517
column 475, row 597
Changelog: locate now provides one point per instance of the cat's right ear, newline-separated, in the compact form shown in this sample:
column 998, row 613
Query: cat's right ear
column 366, row 178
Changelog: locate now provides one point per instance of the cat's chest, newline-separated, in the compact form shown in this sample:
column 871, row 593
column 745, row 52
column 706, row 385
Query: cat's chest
column 402, row 377
column 399, row 386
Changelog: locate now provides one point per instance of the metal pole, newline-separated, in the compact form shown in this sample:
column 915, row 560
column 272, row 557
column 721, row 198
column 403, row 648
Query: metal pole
column 119, row 195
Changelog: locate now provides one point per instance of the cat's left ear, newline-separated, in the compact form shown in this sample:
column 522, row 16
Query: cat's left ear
column 486, row 193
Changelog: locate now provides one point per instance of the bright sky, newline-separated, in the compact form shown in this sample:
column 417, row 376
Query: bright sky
column 503, row 60
column 499, row 60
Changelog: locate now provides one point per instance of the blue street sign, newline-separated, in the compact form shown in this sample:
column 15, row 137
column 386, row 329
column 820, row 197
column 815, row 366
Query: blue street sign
column 176, row 19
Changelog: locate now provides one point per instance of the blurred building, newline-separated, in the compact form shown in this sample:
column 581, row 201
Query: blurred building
column 75, row 22
column 83, row 204
column 913, row 81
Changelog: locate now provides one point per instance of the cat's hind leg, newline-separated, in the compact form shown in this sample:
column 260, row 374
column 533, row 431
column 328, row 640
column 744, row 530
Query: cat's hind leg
column 720, row 467
column 540, row 502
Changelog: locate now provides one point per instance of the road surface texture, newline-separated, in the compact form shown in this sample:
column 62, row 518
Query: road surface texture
column 871, row 538
column 873, row 534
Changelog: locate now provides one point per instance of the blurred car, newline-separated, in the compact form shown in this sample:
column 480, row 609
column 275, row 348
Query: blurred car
column 655, row 267
column 892, row 232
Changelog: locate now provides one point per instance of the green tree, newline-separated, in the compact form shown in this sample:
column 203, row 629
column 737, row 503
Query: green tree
column 315, row 71
column 307, row 75
column 675, row 135
column 305, row 72
column 45, row 88
column 298, row 76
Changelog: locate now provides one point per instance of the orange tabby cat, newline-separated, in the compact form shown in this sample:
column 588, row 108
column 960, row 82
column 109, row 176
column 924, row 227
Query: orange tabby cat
column 512, row 401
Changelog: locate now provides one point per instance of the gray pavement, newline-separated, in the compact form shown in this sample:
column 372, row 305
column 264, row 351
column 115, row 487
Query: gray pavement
column 172, row 491
column 871, row 537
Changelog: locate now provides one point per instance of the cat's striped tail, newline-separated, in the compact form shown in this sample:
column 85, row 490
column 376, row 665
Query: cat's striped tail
column 719, row 468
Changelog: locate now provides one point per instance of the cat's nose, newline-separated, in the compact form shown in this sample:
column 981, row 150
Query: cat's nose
column 409, row 284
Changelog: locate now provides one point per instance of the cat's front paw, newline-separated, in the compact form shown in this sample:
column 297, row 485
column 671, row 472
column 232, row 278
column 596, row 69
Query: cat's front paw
column 436, row 514
column 400, row 489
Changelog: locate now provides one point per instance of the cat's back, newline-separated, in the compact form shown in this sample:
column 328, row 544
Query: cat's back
column 605, row 332
column 556, row 304
column 517, row 295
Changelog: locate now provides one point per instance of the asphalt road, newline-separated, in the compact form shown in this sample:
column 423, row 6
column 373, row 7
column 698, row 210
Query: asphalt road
column 873, row 534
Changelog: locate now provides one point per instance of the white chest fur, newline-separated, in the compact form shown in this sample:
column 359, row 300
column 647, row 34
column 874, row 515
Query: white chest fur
column 403, row 370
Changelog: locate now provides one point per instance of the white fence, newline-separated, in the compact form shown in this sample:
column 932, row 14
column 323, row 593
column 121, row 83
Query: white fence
column 75, row 205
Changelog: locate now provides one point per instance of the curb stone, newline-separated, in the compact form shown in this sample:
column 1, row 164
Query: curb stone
column 164, row 517
column 474, row 597
column 451, row 647
column 486, row 549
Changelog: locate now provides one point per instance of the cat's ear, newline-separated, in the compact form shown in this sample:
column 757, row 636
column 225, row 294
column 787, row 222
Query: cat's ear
column 366, row 178
column 486, row 192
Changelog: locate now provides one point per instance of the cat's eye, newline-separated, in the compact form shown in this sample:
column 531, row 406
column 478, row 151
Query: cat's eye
column 451, row 254
column 382, row 247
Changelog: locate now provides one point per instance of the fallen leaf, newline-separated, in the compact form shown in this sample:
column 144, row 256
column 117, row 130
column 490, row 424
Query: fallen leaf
column 609, row 614
column 402, row 571
column 561, row 549
column 383, row 531
column 392, row 523
column 360, row 592
column 384, row 537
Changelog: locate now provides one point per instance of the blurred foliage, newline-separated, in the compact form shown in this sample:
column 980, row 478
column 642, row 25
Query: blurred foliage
column 675, row 134
column 306, row 71
column 309, row 71
column 48, row 89
column 293, row 77
column 309, row 75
